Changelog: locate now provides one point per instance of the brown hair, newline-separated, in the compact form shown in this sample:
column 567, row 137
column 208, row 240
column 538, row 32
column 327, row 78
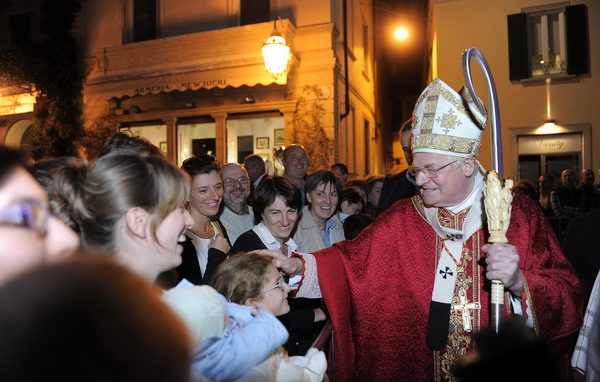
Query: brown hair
column 103, row 193
column 241, row 276
column 87, row 319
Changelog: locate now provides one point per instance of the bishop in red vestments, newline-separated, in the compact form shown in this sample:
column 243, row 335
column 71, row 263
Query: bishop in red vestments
column 406, row 295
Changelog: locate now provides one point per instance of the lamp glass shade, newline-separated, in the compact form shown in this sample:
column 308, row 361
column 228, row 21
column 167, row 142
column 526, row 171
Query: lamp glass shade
column 276, row 54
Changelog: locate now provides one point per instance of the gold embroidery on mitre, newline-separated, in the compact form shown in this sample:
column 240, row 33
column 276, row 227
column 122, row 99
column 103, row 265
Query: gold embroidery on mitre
column 448, row 121
column 447, row 143
column 443, row 122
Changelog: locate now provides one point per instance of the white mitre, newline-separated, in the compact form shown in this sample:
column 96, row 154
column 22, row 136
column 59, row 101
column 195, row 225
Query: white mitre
column 446, row 122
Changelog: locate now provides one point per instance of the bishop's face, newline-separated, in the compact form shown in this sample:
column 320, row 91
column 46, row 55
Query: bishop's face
column 450, row 186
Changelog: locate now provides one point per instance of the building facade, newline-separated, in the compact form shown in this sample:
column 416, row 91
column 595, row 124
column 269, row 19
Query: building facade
column 545, row 59
column 189, row 76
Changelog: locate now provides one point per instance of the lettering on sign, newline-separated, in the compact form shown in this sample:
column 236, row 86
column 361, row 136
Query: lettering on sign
column 152, row 89
column 157, row 88
column 203, row 84
column 554, row 144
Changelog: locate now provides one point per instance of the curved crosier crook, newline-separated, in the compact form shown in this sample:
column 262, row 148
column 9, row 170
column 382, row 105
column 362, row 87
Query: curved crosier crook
column 493, row 99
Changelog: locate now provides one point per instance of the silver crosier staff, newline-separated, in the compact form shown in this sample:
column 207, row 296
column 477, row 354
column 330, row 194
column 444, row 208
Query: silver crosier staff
column 497, row 198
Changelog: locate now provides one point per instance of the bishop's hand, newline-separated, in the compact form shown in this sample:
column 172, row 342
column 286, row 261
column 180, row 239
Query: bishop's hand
column 502, row 262
column 288, row 265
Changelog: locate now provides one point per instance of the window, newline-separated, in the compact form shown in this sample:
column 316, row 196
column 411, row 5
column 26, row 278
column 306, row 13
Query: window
column 20, row 29
column 145, row 20
column 548, row 41
column 365, row 35
column 254, row 11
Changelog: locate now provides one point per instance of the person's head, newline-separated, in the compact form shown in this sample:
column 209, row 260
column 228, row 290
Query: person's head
column 255, row 166
column 545, row 183
column 295, row 162
column 446, row 127
column 525, row 188
column 359, row 186
column 251, row 279
column 322, row 194
column 127, row 140
column 133, row 206
column 515, row 344
column 53, row 174
column 374, row 186
column 89, row 319
column 341, row 171
column 568, row 178
column 350, row 202
column 443, row 181
column 207, row 186
column 29, row 234
column 405, row 140
column 277, row 203
column 237, row 186
column 355, row 224
column 587, row 176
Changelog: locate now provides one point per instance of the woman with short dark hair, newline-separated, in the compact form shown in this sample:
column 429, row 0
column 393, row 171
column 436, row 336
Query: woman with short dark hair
column 277, row 203
column 276, row 206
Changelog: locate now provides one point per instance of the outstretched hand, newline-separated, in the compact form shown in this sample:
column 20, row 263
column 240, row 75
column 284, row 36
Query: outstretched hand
column 219, row 242
column 288, row 265
column 502, row 262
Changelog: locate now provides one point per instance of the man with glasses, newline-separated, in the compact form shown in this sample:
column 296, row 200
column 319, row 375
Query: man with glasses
column 237, row 217
column 408, row 294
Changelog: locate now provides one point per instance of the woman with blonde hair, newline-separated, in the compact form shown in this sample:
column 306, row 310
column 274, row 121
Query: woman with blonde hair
column 132, row 206
column 251, row 280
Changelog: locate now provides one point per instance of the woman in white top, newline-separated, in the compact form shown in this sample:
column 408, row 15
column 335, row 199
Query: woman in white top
column 207, row 243
column 276, row 204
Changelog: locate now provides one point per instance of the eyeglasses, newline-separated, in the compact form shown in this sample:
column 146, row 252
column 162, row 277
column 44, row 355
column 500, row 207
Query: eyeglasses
column 280, row 284
column 229, row 182
column 429, row 172
column 27, row 214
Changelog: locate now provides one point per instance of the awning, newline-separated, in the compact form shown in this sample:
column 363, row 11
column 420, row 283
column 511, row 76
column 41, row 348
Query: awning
column 249, row 75
column 204, row 60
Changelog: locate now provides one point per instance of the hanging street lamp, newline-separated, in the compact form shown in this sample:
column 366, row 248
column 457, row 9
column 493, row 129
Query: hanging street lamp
column 276, row 52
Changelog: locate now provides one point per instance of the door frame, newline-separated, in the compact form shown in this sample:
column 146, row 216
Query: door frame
column 585, row 129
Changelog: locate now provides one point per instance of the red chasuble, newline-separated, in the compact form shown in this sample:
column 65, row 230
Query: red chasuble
column 378, row 289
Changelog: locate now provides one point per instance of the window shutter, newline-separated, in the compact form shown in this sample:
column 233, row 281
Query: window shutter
column 517, row 47
column 578, row 44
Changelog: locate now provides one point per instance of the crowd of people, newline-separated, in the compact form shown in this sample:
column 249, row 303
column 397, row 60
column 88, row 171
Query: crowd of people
column 126, row 267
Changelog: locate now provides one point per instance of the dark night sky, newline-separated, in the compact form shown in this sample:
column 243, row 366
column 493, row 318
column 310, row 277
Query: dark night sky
column 403, row 62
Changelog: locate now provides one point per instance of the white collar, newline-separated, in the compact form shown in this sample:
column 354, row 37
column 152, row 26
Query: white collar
column 470, row 199
column 269, row 240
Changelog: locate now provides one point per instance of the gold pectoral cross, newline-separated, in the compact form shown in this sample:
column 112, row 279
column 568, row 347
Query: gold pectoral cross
column 464, row 308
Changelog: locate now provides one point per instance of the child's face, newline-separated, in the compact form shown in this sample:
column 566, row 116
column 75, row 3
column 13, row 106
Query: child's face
column 350, row 208
column 274, row 293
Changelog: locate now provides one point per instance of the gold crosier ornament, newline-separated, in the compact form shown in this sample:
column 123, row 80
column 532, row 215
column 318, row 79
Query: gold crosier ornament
column 497, row 196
